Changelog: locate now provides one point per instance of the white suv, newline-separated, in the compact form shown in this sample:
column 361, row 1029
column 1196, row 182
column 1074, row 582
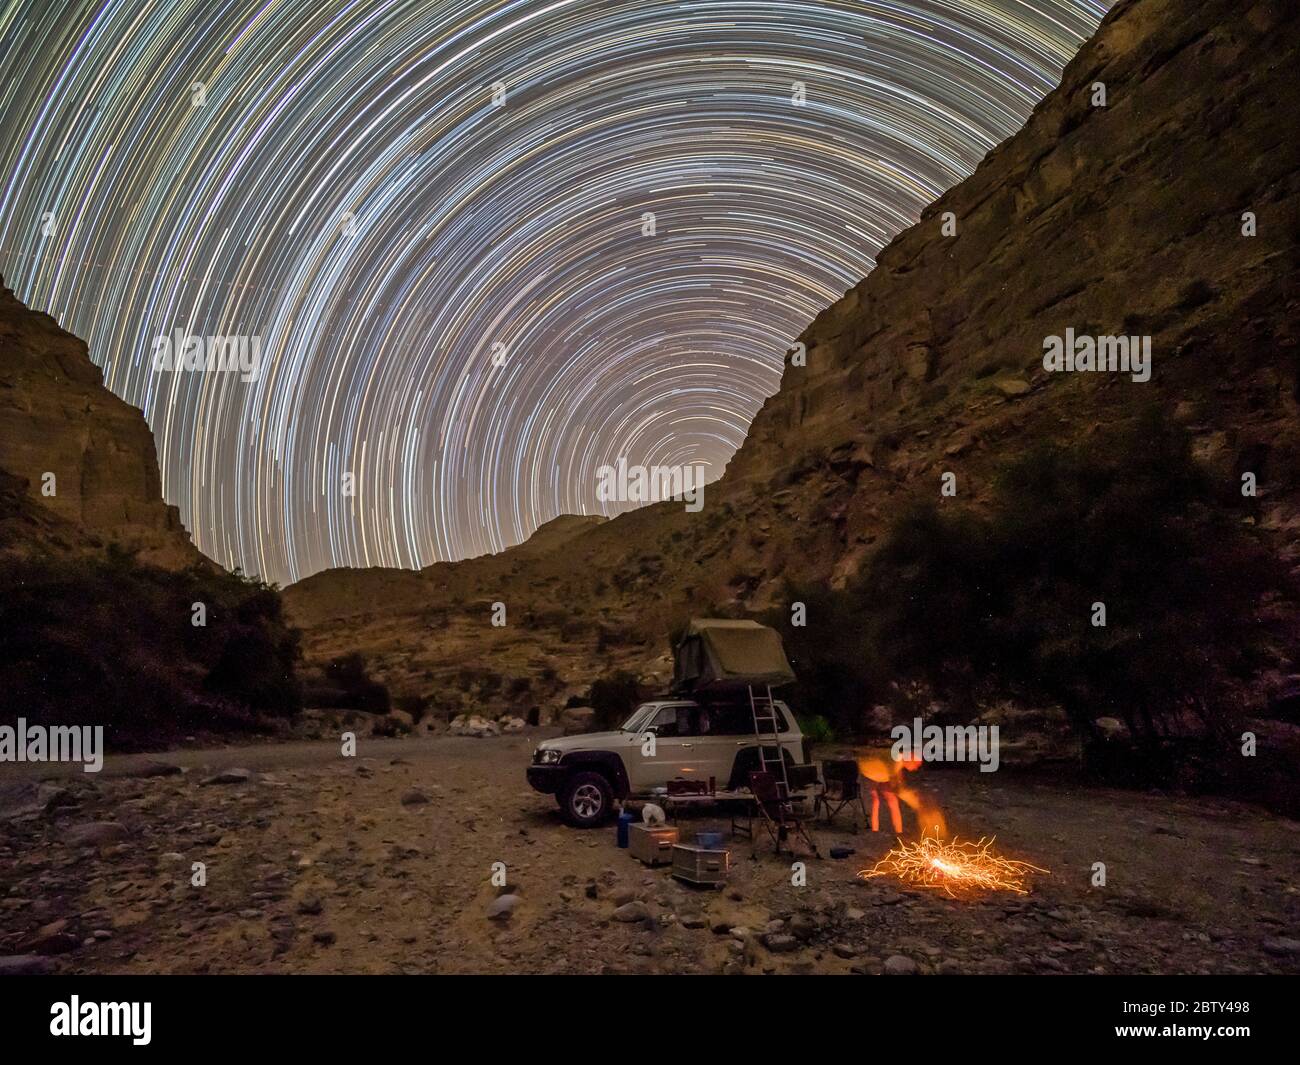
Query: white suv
column 692, row 740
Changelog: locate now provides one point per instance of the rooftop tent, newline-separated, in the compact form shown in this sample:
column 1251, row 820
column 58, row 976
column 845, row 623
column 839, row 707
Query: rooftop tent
column 716, row 653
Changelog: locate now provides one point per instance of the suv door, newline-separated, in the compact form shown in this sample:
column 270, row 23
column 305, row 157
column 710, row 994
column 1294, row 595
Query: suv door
column 677, row 750
column 723, row 729
column 732, row 730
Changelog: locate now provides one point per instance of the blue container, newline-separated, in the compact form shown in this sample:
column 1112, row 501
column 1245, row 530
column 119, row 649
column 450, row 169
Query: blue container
column 625, row 819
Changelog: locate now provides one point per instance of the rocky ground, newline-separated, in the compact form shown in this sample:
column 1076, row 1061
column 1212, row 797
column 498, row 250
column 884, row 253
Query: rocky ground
column 383, row 863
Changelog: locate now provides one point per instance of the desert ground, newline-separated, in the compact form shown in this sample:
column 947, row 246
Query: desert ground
column 382, row 863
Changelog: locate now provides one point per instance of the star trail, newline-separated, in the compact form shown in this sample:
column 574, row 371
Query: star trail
column 487, row 247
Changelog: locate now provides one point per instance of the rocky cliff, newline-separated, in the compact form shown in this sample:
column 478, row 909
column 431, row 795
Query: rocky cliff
column 78, row 468
column 1153, row 194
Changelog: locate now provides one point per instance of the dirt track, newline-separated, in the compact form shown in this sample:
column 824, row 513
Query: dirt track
column 317, row 865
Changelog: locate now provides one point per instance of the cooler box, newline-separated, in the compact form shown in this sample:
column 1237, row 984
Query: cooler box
column 701, row 865
column 653, row 844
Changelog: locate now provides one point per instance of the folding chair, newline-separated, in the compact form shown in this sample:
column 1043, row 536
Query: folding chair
column 778, row 815
column 843, row 787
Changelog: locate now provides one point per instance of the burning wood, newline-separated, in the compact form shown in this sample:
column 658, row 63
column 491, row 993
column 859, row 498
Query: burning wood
column 954, row 866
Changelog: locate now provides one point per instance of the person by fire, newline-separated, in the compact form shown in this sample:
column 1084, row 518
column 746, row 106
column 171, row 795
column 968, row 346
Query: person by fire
column 886, row 776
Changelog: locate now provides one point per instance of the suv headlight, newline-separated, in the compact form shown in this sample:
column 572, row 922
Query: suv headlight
column 546, row 756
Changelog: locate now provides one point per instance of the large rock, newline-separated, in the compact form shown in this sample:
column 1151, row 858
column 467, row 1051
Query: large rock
column 56, row 417
column 473, row 725
column 577, row 719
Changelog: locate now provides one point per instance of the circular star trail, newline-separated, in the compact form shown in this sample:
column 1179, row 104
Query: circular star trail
column 486, row 247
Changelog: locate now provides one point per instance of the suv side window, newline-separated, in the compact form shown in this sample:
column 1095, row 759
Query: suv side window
column 730, row 719
column 673, row 721
column 664, row 723
column 736, row 719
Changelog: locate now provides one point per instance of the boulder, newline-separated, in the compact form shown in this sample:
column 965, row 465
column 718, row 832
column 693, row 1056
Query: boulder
column 578, row 719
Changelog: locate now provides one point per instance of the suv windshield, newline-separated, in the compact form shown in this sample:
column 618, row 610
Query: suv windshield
column 639, row 719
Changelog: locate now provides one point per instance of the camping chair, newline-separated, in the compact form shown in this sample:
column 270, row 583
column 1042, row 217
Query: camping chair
column 778, row 814
column 843, row 786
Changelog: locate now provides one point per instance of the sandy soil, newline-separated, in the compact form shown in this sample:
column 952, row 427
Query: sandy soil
column 321, row 864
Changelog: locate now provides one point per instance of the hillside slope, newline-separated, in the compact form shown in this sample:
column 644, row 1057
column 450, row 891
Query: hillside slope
column 1118, row 219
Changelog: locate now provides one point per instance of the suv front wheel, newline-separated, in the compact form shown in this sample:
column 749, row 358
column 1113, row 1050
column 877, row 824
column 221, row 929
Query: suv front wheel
column 586, row 800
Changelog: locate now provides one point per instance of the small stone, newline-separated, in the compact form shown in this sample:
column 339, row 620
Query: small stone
column 230, row 776
column 153, row 768
column 25, row 965
column 898, row 965
column 844, row 950
column 95, row 834
column 803, row 926
column 781, row 944
column 1281, row 947
column 414, row 797
column 310, row 904
column 325, row 937
column 502, row 907
column 693, row 920
column 631, row 911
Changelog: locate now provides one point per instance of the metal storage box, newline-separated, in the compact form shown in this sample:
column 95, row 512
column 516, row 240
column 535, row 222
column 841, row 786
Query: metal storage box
column 653, row 844
column 701, row 865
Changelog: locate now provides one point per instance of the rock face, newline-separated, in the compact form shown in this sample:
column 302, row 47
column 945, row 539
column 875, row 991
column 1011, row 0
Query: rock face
column 1122, row 219
column 57, row 418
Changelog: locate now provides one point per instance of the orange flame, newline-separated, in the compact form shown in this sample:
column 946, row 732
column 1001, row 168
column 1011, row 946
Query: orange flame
column 953, row 866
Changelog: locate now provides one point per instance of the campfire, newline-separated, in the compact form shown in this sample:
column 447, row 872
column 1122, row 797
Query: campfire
column 953, row 866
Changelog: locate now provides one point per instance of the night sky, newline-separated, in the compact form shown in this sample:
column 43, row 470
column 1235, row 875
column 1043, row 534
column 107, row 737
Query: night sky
column 458, row 299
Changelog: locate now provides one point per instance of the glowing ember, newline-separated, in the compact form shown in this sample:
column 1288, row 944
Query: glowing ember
column 953, row 866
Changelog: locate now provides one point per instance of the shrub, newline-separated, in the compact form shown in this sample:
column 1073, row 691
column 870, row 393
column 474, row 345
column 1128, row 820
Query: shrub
column 346, row 683
column 838, row 678
column 109, row 641
column 613, row 698
column 1001, row 603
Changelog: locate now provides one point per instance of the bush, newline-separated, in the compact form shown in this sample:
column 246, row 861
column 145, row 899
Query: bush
column 613, row 698
column 346, row 684
column 1001, row 603
column 816, row 729
column 839, row 678
column 109, row 641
